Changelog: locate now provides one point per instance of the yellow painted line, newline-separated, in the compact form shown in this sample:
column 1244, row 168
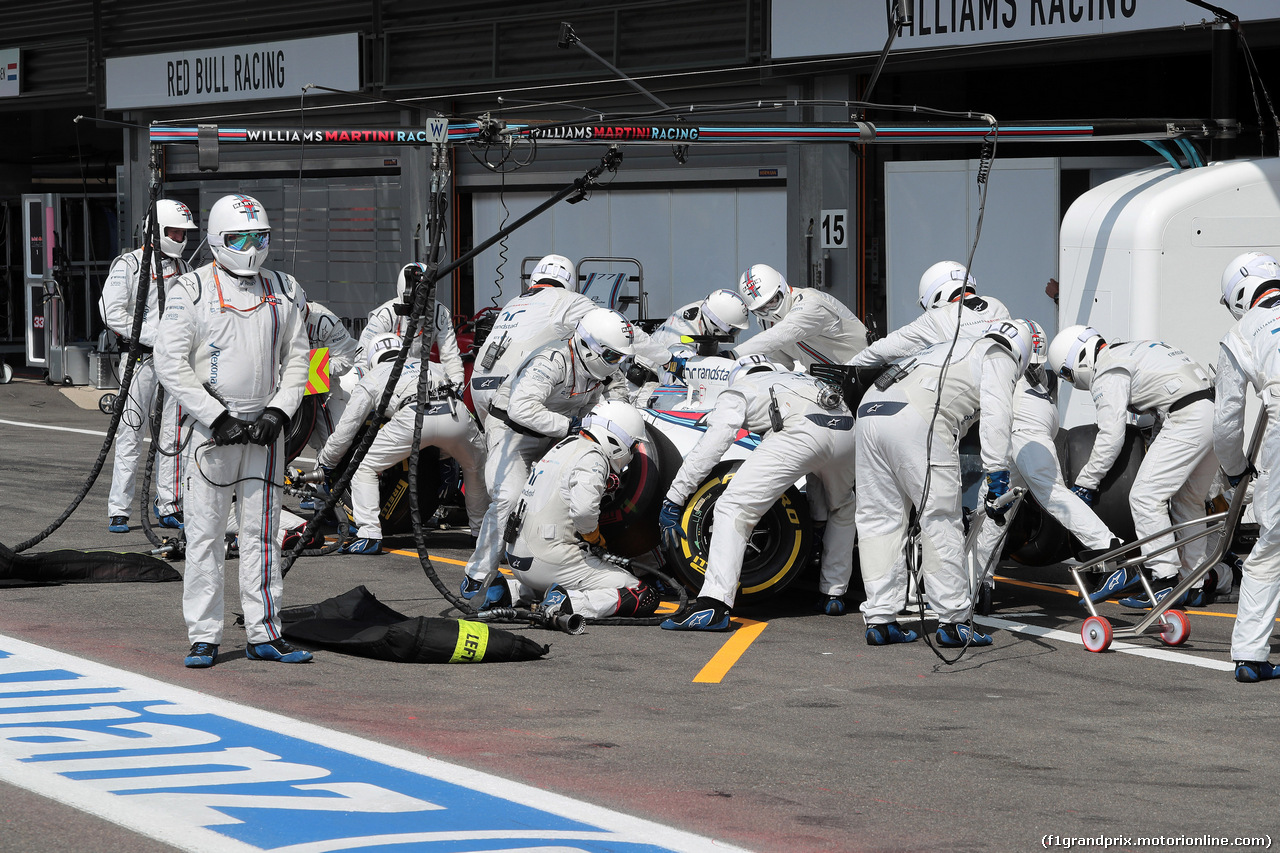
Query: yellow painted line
column 729, row 653
column 1072, row 592
column 433, row 557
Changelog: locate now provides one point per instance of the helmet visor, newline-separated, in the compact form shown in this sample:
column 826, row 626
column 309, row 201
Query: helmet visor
column 239, row 241
column 772, row 305
column 608, row 355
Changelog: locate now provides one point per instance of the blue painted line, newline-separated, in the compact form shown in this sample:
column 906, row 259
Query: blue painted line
column 204, row 774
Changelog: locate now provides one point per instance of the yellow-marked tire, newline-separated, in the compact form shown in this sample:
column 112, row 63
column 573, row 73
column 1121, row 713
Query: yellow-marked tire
column 778, row 549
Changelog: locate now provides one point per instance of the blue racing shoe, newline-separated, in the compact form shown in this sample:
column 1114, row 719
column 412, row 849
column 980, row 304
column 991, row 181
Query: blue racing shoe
column 1250, row 671
column 889, row 633
column 173, row 520
column 832, row 605
column 276, row 650
column 957, row 635
column 363, row 546
column 308, row 505
column 201, row 656
column 555, row 601
column 1116, row 582
column 118, row 524
column 498, row 591
column 710, row 615
column 1141, row 602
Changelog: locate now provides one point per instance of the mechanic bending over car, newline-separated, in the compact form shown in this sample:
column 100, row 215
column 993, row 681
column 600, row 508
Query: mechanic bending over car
column 1251, row 291
column 232, row 348
column 543, row 400
column 926, row 402
column 393, row 316
column 119, row 296
column 549, row 310
column 554, row 531
column 803, row 326
column 446, row 423
column 807, row 429
column 1177, row 470
column 1036, row 467
column 946, row 291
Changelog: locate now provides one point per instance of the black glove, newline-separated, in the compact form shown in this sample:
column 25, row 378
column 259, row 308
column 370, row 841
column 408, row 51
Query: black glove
column 1234, row 480
column 228, row 429
column 266, row 429
column 575, row 426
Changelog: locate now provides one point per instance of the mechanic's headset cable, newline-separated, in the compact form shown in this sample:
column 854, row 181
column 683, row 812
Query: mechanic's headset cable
column 135, row 354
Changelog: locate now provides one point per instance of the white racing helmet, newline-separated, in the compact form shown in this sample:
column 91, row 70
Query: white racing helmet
column 384, row 346
column 601, row 340
column 1073, row 354
column 1017, row 336
column 616, row 426
column 943, row 282
column 170, row 214
column 749, row 364
column 402, row 286
column 555, row 270
column 765, row 292
column 1039, row 343
column 1243, row 280
column 723, row 313
column 239, row 234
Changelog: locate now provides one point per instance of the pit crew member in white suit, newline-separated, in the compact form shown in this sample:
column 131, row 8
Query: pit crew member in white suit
column 897, row 455
column 1036, row 467
column 446, row 424
column 1178, row 468
column 548, row 311
column 559, row 513
column 803, row 325
column 325, row 330
column 721, row 315
column 807, row 429
column 232, row 347
column 393, row 316
column 1251, row 290
column 542, row 401
column 119, row 296
column 947, row 292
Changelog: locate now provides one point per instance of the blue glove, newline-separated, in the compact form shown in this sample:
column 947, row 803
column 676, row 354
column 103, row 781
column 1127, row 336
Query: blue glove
column 1089, row 496
column 997, row 487
column 676, row 366
column 669, row 523
column 575, row 425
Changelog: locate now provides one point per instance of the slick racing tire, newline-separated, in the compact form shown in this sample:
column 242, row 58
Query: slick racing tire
column 778, row 549
column 298, row 431
column 629, row 514
column 394, row 509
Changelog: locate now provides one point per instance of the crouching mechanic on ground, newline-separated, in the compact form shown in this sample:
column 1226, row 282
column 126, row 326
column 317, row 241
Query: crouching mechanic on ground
column 119, row 298
column 1251, row 291
column 902, row 464
column 541, row 402
column 1036, row 467
column 558, row 516
column 446, row 424
column 232, row 347
column 807, row 429
column 1178, row 468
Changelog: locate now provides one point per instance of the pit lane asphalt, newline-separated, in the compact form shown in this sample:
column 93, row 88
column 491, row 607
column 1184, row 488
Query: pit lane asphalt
column 811, row 741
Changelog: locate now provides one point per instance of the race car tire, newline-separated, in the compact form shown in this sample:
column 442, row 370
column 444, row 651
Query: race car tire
column 298, row 431
column 779, row 545
column 629, row 514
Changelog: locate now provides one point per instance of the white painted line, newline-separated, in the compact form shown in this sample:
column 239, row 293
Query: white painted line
column 100, row 432
column 1116, row 645
column 58, row 428
column 177, row 730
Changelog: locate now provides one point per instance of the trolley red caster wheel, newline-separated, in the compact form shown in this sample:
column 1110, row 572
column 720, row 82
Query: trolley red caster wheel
column 1096, row 633
column 1175, row 628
